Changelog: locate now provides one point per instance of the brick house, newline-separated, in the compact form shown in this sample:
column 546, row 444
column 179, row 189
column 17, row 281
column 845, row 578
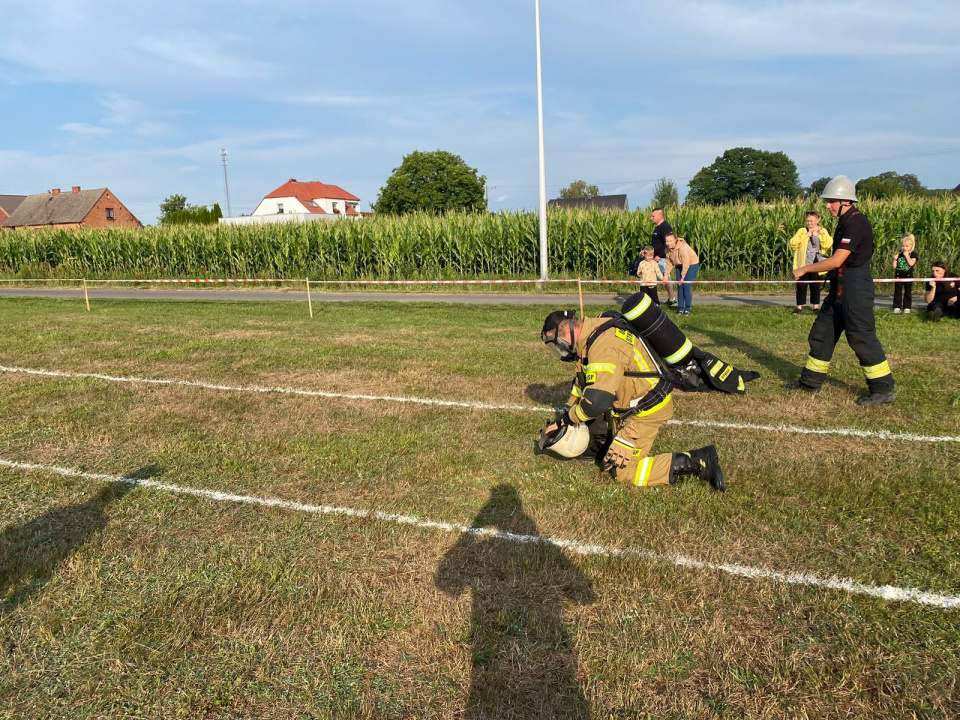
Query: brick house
column 9, row 203
column 78, row 208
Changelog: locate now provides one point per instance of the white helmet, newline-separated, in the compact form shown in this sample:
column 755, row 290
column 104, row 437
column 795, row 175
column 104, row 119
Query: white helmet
column 569, row 442
column 840, row 188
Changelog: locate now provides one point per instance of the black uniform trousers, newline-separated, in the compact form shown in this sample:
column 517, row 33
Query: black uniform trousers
column 903, row 293
column 848, row 310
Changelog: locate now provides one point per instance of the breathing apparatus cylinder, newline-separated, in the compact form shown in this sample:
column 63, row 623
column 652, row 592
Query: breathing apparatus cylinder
column 653, row 325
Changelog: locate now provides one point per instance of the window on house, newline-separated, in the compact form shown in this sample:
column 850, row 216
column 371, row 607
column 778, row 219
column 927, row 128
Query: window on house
column 279, row 208
column 334, row 207
column 110, row 214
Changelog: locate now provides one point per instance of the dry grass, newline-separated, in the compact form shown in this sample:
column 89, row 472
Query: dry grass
column 120, row 602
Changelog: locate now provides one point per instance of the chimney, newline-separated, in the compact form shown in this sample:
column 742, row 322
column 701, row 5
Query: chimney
column 75, row 189
column 293, row 179
column 55, row 191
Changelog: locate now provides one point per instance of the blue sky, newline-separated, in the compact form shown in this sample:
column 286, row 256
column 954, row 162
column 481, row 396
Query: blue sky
column 140, row 97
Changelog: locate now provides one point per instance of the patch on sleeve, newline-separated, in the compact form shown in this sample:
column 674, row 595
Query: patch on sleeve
column 846, row 241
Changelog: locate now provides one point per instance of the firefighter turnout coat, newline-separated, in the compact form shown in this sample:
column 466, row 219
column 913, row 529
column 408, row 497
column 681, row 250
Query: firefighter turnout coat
column 618, row 378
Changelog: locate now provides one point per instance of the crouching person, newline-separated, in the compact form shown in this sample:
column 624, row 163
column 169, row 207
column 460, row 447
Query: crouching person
column 621, row 380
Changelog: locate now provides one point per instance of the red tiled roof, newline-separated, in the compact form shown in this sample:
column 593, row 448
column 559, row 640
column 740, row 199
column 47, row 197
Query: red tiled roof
column 305, row 192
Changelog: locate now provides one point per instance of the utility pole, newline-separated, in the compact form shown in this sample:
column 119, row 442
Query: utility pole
column 226, row 185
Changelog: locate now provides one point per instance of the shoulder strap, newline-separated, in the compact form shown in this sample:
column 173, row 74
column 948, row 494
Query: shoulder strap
column 615, row 320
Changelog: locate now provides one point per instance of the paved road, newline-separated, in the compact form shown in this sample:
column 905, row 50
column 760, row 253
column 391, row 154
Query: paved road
column 559, row 299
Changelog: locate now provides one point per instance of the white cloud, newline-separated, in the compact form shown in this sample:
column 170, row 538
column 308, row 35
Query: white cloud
column 84, row 129
column 332, row 100
column 121, row 110
column 203, row 57
column 753, row 29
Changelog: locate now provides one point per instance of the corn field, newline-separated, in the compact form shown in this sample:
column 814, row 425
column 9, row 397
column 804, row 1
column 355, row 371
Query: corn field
column 736, row 241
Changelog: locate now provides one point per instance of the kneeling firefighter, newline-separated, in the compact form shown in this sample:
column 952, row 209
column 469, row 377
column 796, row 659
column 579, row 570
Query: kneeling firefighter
column 621, row 380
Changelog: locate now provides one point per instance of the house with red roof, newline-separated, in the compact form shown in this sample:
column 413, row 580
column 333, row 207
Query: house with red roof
column 312, row 198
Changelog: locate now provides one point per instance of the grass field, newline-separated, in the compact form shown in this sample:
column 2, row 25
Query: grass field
column 139, row 601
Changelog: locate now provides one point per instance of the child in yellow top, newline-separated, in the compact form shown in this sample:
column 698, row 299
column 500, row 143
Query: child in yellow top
column 649, row 273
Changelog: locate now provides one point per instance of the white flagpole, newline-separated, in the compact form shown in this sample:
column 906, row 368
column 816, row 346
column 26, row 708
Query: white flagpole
column 543, row 172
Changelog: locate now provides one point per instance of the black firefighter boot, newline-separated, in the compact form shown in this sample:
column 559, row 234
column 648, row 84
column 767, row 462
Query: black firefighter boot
column 702, row 463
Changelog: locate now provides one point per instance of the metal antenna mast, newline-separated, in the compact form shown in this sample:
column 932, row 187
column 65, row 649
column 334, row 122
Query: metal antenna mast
column 226, row 185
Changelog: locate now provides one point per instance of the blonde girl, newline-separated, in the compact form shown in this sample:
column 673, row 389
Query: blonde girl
column 904, row 264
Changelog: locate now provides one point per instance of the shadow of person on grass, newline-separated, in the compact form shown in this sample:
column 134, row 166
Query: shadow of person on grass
column 750, row 300
column 553, row 396
column 31, row 553
column 524, row 659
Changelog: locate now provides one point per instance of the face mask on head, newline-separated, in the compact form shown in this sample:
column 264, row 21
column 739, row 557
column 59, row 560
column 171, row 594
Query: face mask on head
column 558, row 346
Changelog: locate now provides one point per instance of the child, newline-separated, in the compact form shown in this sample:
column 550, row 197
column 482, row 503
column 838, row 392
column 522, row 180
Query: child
column 903, row 267
column 649, row 273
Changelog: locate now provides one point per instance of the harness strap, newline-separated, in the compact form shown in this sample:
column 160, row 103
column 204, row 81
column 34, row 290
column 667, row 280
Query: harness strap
column 659, row 392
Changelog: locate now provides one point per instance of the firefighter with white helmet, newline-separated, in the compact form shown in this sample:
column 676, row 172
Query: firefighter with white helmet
column 848, row 308
column 620, row 379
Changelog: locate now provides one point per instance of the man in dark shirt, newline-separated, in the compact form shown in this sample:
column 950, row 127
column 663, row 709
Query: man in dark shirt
column 849, row 306
column 658, row 242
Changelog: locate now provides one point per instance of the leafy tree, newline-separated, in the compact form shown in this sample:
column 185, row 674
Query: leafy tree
column 890, row 184
column 173, row 203
column 434, row 182
column 190, row 214
column 665, row 194
column 817, row 186
column 745, row 174
column 579, row 189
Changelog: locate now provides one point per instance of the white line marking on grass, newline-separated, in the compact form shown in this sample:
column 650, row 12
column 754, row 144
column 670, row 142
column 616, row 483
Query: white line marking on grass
column 261, row 389
column 884, row 592
column 791, row 429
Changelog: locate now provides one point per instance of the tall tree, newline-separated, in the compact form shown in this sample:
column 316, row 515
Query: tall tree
column 434, row 182
column 817, row 186
column 665, row 194
column 745, row 174
column 579, row 189
column 890, row 184
column 173, row 203
column 175, row 210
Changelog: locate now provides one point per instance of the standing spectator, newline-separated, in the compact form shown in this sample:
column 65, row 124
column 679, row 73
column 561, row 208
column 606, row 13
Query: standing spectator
column 849, row 306
column 903, row 267
column 942, row 296
column 682, row 257
column 810, row 244
column 649, row 273
column 658, row 240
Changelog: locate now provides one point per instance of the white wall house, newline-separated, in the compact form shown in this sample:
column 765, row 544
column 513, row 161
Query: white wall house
column 302, row 202
column 314, row 198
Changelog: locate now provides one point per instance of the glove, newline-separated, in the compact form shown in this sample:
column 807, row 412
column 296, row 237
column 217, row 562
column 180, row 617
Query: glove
column 562, row 418
column 620, row 454
column 561, row 421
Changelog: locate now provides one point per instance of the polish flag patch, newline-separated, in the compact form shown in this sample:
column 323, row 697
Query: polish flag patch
column 845, row 241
